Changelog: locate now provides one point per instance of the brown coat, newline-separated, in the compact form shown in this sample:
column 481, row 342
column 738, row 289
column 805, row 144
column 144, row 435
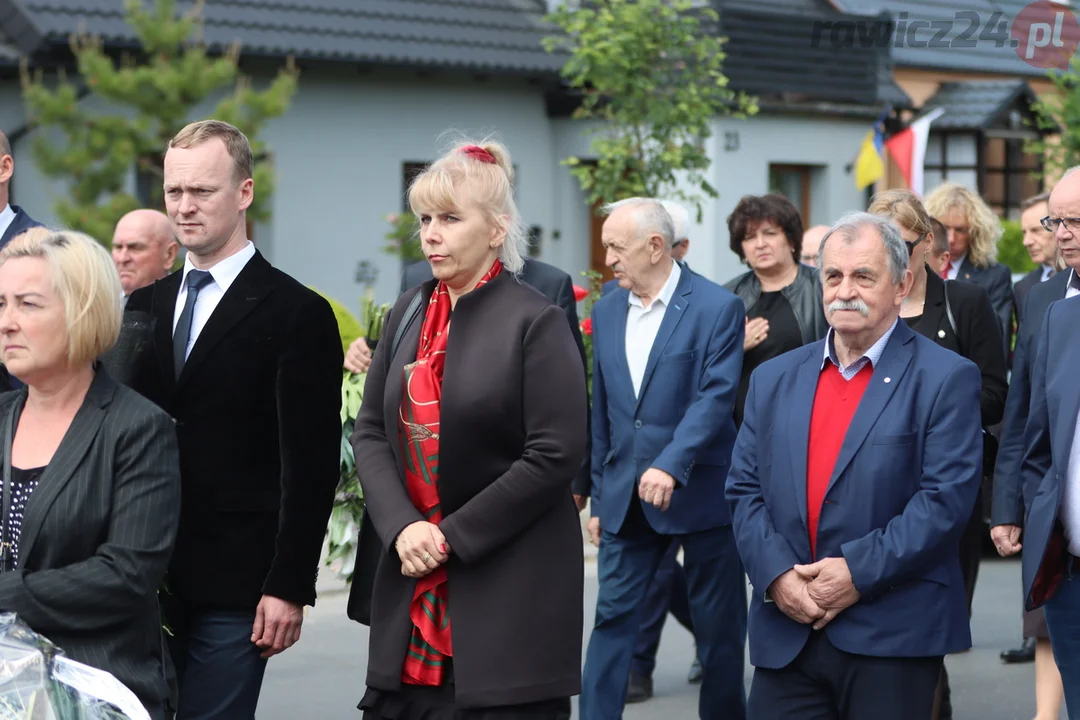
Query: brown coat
column 513, row 436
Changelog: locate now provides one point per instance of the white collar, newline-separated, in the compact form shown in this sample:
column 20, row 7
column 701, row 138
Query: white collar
column 7, row 216
column 225, row 271
column 666, row 292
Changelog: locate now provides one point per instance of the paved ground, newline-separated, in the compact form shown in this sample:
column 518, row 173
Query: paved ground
column 323, row 676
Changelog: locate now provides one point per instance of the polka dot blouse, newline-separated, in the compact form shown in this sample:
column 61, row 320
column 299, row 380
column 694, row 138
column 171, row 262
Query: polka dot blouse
column 23, row 483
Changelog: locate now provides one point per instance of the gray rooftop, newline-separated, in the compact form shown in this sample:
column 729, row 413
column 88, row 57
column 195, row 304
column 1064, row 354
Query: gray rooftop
column 977, row 104
column 478, row 35
column 985, row 56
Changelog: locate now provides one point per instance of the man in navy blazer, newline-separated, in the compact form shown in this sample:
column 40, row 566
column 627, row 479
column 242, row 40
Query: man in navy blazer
column 854, row 474
column 13, row 219
column 667, row 352
column 1050, row 471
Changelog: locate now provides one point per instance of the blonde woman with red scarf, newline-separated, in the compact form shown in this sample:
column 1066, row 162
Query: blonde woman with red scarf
column 472, row 429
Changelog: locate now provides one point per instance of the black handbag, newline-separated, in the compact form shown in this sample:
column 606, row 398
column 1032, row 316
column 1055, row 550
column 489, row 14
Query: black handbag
column 369, row 548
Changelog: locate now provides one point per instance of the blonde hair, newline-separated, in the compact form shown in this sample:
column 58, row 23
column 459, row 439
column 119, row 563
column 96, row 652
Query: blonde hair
column 236, row 143
column 86, row 281
column 490, row 186
column 985, row 227
column 904, row 208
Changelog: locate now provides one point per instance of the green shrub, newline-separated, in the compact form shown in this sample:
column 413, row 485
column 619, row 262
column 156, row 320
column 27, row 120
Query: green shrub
column 1011, row 250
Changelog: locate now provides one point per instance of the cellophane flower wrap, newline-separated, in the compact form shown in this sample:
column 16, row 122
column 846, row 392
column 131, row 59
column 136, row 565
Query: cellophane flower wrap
column 37, row 682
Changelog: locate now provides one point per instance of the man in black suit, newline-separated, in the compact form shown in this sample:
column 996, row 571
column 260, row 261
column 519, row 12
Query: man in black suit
column 247, row 361
column 551, row 282
column 1041, row 246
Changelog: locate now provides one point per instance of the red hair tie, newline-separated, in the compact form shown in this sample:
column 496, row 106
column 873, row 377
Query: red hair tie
column 478, row 153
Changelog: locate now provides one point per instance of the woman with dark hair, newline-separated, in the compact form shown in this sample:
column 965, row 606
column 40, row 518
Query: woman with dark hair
column 782, row 298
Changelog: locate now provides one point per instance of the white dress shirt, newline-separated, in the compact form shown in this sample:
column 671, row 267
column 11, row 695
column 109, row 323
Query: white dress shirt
column 954, row 266
column 7, row 216
column 1072, row 290
column 223, row 274
column 1047, row 271
column 643, row 324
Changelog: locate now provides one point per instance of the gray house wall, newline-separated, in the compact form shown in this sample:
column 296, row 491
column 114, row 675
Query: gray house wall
column 340, row 149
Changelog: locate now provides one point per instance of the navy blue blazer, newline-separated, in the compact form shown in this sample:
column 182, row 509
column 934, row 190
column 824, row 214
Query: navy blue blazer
column 20, row 224
column 899, row 498
column 1048, row 439
column 682, row 420
column 1008, row 502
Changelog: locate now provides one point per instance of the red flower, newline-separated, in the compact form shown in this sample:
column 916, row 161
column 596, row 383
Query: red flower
column 580, row 293
column 586, row 326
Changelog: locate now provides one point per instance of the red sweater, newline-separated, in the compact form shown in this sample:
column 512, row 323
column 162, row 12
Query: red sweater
column 835, row 403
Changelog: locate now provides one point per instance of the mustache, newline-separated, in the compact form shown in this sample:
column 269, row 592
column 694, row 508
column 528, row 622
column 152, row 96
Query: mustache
column 855, row 305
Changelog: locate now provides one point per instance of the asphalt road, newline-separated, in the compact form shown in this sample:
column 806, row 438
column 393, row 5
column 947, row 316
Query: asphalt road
column 323, row 676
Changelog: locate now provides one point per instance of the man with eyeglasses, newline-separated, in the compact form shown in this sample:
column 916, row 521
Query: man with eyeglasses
column 1010, row 498
column 1050, row 470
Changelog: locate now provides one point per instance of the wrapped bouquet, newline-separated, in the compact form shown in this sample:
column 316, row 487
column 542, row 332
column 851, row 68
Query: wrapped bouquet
column 38, row 683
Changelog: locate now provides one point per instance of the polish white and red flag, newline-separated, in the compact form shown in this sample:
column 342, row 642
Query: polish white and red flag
column 908, row 149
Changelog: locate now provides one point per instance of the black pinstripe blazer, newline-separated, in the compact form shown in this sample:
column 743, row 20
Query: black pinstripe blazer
column 96, row 538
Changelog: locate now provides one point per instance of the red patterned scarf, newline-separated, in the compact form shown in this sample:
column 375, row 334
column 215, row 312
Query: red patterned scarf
column 430, row 643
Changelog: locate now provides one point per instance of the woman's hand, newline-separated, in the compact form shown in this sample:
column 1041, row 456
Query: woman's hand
column 757, row 329
column 422, row 548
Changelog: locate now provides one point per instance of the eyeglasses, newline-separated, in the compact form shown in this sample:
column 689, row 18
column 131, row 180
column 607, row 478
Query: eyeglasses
column 912, row 245
column 1051, row 224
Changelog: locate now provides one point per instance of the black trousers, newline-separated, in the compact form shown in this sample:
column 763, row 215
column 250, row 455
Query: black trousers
column 824, row 683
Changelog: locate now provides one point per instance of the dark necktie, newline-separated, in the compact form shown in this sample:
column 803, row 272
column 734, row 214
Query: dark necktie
column 1074, row 280
column 196, row 280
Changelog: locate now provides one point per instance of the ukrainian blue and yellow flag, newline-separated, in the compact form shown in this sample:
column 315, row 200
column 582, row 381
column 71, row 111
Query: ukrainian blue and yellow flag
column 870, row 164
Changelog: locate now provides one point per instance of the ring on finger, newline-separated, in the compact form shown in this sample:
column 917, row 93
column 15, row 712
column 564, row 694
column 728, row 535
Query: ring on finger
column 427, row 556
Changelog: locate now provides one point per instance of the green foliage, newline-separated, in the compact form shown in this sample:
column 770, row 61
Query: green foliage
column 349, row 328
column 403, row 240
column 1058, row 114
column 348, row 510
column 154, row 94
column 653, row 75
column 1011, row 250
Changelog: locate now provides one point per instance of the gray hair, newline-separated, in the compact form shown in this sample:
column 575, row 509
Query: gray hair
column 650, row 216
column 679, row 218
column 848, row 228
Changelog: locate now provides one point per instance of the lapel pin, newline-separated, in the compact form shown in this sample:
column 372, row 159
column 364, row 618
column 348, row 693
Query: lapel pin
column 941, row 333
column 888, row 380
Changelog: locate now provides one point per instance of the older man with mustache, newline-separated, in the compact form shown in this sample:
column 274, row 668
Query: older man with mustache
column 876, row 430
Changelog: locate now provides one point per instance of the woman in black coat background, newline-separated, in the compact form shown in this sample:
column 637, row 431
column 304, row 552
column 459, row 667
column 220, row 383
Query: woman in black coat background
column 957, row 316
column 477, row 608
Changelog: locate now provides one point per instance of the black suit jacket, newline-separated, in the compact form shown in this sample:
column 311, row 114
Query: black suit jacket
column 978, row 337
column 1008, row 504
column 257, row 415
column 96, row 538
column 513, row 435
column 997, row 281
column 556, row 286
column 1023, row 287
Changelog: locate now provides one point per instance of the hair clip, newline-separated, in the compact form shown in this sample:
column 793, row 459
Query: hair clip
column 478, row 153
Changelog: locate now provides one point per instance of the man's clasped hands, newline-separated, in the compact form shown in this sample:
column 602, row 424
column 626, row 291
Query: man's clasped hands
column 815, row 594
column 422, row 549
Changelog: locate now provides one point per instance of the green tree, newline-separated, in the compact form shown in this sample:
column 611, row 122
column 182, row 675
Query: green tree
column 152, row 94
column 1057, row 113
column 652, row 72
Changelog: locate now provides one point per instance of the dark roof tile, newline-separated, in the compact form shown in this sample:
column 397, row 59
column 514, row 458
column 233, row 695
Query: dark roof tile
column 497, row 35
